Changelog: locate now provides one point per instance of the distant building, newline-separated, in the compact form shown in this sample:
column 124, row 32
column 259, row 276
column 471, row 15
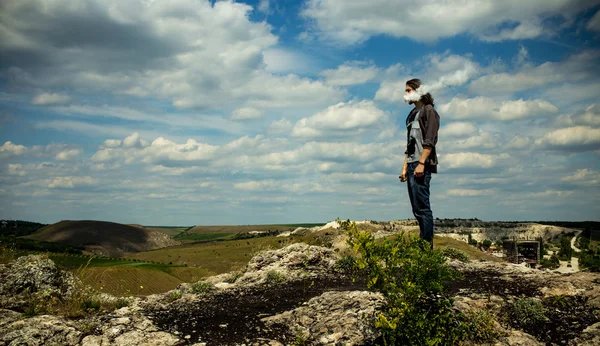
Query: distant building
column 522, row 251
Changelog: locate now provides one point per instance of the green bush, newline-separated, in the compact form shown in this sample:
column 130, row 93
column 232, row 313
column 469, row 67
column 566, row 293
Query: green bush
column 233, row 277
column 347, row 264
column 202, row 287
column 121, row 303
column 411, row 276
column 590, row 260
column 528, row 314
column 91, row 305
column 175, row 294
column 455, row 254
column 274, row 277
column 480, row 326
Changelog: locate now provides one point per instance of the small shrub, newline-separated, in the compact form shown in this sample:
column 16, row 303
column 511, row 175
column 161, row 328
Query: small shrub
column 121, row 303
column 175, row 294
column 412, row 278
column 202, row 287
column 480, row 326
column 91, row 305
column 347, row 264
column 274, row 277
column 457, row 254
column 233, row 277
column 528, row 314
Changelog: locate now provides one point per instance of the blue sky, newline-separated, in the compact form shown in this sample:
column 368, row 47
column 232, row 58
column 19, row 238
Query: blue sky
column 197, row 112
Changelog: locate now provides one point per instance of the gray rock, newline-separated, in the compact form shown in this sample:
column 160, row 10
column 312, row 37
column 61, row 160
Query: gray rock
column 40, row 330
column 36, row 276
column 589, row 336
column 333, row 318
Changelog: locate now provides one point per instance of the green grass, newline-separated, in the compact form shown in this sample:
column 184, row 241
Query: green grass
column 203, row 236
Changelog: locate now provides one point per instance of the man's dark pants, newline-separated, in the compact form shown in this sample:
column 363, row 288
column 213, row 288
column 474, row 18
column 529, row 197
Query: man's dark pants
column 418, row 192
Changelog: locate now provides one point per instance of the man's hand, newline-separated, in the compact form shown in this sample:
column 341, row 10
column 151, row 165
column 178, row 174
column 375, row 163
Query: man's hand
column 419, row 171
column 403, row 176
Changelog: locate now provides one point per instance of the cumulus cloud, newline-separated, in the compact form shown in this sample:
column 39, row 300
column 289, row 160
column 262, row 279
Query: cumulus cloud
column 437, row 72
column 246, row 113
column 71, row 182
column 458, row 129
column 574, row 138
column 351, row 73
column 69, row 154
column 280, row 126
column 583, row 177
column 468, row 192
column 588, row 117
column 576, row 68
column 354, row 21
column 486, row 108
column 50, row 99
column 472, row 160
column 9, row 149
column 150, row 48
column 341, row 119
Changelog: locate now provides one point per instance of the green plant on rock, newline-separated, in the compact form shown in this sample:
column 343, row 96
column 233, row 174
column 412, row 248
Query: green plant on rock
column 121, row 303
column 274, row 277
column 411, row 276
column 480, row 326
column 528, row 314
column 451, row 252
column 233, row 277
column 202, row 287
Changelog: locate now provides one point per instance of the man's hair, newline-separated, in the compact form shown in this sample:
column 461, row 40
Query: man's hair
column 426, row 98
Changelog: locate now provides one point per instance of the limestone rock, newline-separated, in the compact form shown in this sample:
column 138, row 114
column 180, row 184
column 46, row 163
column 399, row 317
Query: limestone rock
column 40, row 330
column 334, row 318
column 34, row 275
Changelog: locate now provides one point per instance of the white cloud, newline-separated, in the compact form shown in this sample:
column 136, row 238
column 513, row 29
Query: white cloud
column 594, row 23
column 71, row 182
column 351, row 73
column 589, row 117
column 264, row 6
column 437, row 72
column 134, row 141
column 472, row 160
column 341, row 119
column 8, row 149
column 571, row 138
column 69, row 154
column 576, row 68
column 583, row 177
column 280, row 126
column 468, row 192
column 458, row 129
column 246, row 113
column 486, row 108
column 354, row 21
column 16, row 169
column 197, row 54
column 525, row 30
column 50, row 99
column 112, row 143
column 518, row 142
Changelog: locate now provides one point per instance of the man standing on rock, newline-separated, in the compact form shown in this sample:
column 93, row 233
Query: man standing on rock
column 422, row 124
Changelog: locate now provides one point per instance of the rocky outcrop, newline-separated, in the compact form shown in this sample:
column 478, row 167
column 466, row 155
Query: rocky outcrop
column 298, row 261
column 284, row 296
column 333, row 318
column 36, row 276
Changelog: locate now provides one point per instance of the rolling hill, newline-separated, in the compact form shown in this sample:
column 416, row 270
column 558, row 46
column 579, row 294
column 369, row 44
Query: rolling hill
column 103, row 238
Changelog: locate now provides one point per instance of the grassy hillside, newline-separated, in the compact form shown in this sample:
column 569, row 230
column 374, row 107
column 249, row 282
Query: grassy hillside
column 101, row 237
column 127, row 277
